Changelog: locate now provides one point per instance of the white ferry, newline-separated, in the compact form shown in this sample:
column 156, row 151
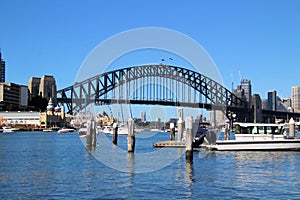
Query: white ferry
column 252, row 136
column 8, row 129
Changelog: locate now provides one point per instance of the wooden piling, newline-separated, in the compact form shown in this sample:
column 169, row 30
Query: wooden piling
column 131, row 136
column 115, row 133
column 292, row 127
column 180, row 129
column 91, row 135
column 94, row 134
column 227, row 129
column 180, row 125
column 172, row 131
column 189, row 139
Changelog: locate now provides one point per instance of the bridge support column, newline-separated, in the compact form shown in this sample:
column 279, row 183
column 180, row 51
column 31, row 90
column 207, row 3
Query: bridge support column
column 115, row 133
column 189, row 139
column 131, row 136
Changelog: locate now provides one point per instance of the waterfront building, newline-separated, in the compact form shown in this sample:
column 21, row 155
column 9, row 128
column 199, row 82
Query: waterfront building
column 296, row 98
column 53, row 117
column 31, row 119
column 272, row 100
column 2, row 69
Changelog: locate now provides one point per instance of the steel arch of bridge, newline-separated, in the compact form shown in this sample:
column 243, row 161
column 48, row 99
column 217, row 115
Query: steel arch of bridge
column 97, row 89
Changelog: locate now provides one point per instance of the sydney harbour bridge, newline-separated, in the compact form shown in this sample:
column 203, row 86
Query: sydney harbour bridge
column 163, row 85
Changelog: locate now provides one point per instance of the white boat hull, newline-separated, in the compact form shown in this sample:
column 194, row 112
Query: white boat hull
column 109, row 130
column 233, row 145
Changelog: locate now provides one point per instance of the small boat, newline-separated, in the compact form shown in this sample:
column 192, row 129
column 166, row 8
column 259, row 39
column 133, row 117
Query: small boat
column 47, row 130
column 65, row 130
column 251, row 136
column 202, row 131
column 8, row 129
column 122, row 129
column 82, row 132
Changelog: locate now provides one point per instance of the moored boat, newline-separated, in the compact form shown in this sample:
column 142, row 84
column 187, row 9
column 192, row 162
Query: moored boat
column 252, row 136
column 8, row 129
column 65, row 130
column 82, row 132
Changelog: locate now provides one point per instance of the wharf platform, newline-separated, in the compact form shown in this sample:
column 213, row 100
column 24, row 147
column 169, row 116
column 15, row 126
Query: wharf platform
column 168, row 143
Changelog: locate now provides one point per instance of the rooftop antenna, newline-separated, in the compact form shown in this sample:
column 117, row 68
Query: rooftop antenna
column 232, row 82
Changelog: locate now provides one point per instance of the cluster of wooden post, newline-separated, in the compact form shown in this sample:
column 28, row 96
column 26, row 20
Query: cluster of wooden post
column 130, row 137
column 91, row 139
column 131, row 134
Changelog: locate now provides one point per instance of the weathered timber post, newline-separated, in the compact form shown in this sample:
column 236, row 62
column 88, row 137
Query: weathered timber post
column 115, row 133
column 189, row 139
column 91, row 135
column 292, row 127
column 227, row 129
column 172, row 131
column 94, row 134
column 180, row 124
column 131, row 136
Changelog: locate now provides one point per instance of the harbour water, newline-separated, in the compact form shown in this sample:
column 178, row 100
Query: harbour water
column 36, row 165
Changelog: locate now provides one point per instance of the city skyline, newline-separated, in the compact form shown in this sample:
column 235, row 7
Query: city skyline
column 247, row 40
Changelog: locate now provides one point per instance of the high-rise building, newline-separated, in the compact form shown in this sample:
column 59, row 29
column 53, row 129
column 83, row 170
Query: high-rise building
column 44, row 87
column 34, row 86
column 2, row 69
column 272, row 100
column 246, row 86
column 296, row 98
column 257, row 107
column 287, row 102
column 10, row 94
column 244, row 91
column 47, row 87
column 23, row 96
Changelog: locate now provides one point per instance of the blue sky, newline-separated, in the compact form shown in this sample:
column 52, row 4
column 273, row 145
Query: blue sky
column 259, row 39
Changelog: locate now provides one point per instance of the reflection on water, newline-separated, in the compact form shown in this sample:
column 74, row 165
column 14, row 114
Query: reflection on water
column 52, row 166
